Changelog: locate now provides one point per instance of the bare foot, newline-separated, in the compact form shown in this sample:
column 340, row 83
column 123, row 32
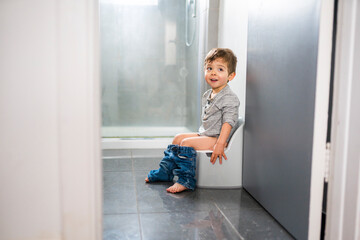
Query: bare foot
column 147, row 180
column 176, row 188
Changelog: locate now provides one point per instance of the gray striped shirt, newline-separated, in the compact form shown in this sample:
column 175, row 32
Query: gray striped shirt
column 224, row 107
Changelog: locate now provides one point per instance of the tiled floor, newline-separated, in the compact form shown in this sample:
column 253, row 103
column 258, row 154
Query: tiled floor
column 136, row 210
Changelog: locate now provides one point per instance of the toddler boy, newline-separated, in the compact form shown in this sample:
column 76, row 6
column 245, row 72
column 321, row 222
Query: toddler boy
column 220, row 110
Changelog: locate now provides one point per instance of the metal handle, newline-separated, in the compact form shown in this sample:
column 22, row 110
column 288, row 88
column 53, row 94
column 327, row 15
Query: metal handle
column 187, row 8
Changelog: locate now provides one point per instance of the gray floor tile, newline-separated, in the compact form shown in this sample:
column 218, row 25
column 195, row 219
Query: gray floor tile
column 122, row 202
column 152, row 197
column 117, row 165
column 146, row 164
column 123, row 226
column 121, row 153
column 207, row 225
column 116, row 182
column 188, row 215
column 156, row 199
column 233, row 199
column 256, row 223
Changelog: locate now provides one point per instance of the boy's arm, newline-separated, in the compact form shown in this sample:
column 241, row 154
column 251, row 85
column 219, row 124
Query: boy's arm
column 221, row 143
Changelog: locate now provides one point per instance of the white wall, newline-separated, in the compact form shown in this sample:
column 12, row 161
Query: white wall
column 50, row 172
column 232, row 33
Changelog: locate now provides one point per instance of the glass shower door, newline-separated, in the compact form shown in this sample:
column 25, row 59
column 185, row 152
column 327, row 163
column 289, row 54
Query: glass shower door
column 149, row 68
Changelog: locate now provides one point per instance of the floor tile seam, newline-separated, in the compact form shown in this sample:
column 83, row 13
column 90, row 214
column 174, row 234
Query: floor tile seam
column 128, row 170
column 112, row 193
column 259, row 208
column 117, row 214
column 229, row 222
column 141, row 170
column 122, row 184
column 186, row 212
column 136, row 196
column 161, row 212
column 240, row 208
column 121, row 188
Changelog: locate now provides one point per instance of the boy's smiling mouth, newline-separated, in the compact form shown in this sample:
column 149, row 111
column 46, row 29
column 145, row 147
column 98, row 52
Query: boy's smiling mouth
column 213, row 80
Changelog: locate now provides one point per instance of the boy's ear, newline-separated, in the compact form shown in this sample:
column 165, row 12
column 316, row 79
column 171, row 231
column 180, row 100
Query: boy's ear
column 231, row 76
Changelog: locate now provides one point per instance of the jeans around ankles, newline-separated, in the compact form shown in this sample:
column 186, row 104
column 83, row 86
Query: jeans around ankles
column 167, row 165
column 179, row 161
column 185, row 160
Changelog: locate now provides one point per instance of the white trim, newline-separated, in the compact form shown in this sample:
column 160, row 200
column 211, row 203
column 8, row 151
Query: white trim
column 357, row 209
column 79, row 119
column 136, row 143
column 320, row 118
column 343, row 198
column 139, row 132
column 94, row 106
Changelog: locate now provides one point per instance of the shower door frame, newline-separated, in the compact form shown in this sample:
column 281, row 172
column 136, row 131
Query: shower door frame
column 159, row 133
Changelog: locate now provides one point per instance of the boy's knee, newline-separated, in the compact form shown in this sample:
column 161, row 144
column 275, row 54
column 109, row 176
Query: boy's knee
column 176, row 140
column 185, row 143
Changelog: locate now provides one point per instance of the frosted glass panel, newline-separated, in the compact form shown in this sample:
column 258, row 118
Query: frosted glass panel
column 149, row 74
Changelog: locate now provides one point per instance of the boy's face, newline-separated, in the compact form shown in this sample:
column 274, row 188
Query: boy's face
column 217, row 75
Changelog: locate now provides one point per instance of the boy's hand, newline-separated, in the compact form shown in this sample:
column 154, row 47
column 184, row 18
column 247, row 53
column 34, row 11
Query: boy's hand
column 218, row 153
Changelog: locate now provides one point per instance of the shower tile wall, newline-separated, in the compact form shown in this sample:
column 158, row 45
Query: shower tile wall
column 149, row 77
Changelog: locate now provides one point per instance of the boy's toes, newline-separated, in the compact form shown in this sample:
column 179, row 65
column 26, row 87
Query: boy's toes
column 176, row 188
column 147, row 180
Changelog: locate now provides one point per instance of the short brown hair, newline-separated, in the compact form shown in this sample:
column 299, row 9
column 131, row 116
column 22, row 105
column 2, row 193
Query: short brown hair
column 226, row 54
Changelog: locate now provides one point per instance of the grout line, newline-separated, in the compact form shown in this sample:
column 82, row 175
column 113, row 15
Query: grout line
column 116, row 157
column 136, row 196
column 232, row 226
column 118, row 214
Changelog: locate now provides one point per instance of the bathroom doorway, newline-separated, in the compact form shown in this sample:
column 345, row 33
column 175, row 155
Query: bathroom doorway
column 149, row 67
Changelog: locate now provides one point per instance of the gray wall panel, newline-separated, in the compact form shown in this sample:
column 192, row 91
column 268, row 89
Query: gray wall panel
column 281, row 79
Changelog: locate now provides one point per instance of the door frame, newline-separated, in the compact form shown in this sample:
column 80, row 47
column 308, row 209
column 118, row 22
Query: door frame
column 343, row 205
column 320, row 118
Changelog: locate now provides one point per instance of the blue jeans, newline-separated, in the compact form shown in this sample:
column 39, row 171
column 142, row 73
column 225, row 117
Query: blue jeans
column 179, row 161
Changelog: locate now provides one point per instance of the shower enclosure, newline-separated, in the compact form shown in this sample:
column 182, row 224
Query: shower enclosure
column 150, row 67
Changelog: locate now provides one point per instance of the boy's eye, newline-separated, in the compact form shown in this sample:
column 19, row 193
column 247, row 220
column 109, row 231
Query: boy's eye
column 220, row 69
column 209, row 69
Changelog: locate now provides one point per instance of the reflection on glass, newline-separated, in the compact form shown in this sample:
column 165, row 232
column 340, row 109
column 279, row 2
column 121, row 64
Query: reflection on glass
column 149, row 75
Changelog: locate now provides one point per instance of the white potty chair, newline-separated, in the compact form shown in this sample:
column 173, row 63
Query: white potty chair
column 229, row 173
